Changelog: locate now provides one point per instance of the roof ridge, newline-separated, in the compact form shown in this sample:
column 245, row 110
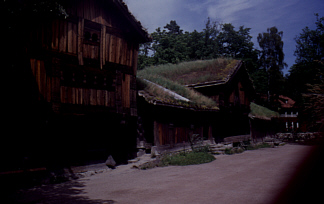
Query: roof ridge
column 217, row 82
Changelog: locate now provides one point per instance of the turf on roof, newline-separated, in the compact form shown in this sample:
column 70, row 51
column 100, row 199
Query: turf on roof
column 175, row 76
column 261, row 112
column 193, row 72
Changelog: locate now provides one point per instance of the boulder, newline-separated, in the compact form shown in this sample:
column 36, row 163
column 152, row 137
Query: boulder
column 110, row 162
column 140, row 152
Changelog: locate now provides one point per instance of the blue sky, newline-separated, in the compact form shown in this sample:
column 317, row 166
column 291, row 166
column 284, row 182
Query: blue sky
column 289, row 16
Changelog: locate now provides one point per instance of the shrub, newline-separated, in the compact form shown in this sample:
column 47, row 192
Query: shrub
column 183, row 159
column 234, row 150
column 258, row 146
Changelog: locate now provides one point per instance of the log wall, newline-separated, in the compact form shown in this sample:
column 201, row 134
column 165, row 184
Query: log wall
column 88, row 59
column 172, row 134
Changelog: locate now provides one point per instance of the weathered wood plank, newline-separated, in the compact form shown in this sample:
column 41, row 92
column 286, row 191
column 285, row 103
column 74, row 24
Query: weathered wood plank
column 108, row 41
column 63, row 36
column 102, row 46
column 80, row 40
column 126, row 91
column 42, row 85
column 74, row 38
column 112, row 49
column 55, row 31
column 70, row 37
column 135, row 60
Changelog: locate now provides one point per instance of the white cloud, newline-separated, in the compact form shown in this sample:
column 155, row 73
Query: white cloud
column 290, row 16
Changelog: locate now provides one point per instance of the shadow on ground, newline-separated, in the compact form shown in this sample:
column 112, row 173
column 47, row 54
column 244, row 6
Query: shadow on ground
column 64, row 193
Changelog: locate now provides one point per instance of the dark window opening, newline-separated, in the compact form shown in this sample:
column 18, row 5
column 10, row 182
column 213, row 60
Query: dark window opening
column 87, row 36
column 95, row 37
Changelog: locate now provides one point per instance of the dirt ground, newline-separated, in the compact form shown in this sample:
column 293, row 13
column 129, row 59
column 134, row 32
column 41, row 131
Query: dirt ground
column 258, row 176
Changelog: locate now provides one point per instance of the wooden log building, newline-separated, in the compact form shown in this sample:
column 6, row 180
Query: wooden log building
column 84, row 74
column 220, row 108
column 233, row 93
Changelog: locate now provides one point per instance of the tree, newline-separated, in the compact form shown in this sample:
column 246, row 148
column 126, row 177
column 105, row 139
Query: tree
column 272, row 60
column 210, row 46
column 309, row 52
column 306, row 79
column 195, row 44
column 169, row 46
column 314, row 106
column 172, row 45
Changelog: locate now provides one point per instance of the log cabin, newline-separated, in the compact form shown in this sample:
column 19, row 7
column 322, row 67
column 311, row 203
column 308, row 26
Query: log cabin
column 168, row 120
column 233, row 91
column 82, row 71
column 217, row 95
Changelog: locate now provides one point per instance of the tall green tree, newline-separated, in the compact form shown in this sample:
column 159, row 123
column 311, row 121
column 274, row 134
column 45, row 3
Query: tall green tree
column 306, row 80
column 169, row 45
column 272, row 61
column 309, row 52
column 210, row 48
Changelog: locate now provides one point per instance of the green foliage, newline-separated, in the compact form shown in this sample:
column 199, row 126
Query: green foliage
column 310, row 43
column 234, row 150
column 21, row 13
column 305, row 81
column 173, row 45
column 309, row 54
column 184, row 159
column 272, row 61
column 258, row 146
column 314, row 106
column 191, row 72
column 238, row 150
column 262, row 112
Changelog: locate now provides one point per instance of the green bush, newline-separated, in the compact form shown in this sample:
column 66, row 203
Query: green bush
column 183, row 159
column 234, row 150
column 258, row 146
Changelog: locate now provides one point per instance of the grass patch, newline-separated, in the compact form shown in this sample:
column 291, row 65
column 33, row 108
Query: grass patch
column 258, row 146
column 237, row 150
column 180, row 159
column 184, row 159
column 234, row 150
column 192, row 72
column 262, row 112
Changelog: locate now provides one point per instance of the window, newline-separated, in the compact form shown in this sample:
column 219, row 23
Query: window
column 91, row 37
column 87, row 36
column 95, row 37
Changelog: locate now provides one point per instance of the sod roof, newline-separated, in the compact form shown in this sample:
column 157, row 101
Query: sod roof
column 261, row 112
column 161, row 83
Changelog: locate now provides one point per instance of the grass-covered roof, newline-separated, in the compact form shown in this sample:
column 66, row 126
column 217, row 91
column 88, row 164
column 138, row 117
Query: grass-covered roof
column 193, row 72
column 174, row 77
column 261, row 112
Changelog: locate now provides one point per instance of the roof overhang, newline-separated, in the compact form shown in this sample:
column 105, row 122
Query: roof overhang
column 145, row 36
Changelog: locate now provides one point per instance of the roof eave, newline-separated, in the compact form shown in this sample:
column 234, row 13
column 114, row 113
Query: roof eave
column 156, row 102
column 134, row 22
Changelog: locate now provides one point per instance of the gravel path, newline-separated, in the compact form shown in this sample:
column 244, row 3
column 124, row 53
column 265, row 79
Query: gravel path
column 250, row 177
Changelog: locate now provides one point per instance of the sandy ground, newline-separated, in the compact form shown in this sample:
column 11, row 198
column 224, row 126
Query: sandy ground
column 257, row 176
